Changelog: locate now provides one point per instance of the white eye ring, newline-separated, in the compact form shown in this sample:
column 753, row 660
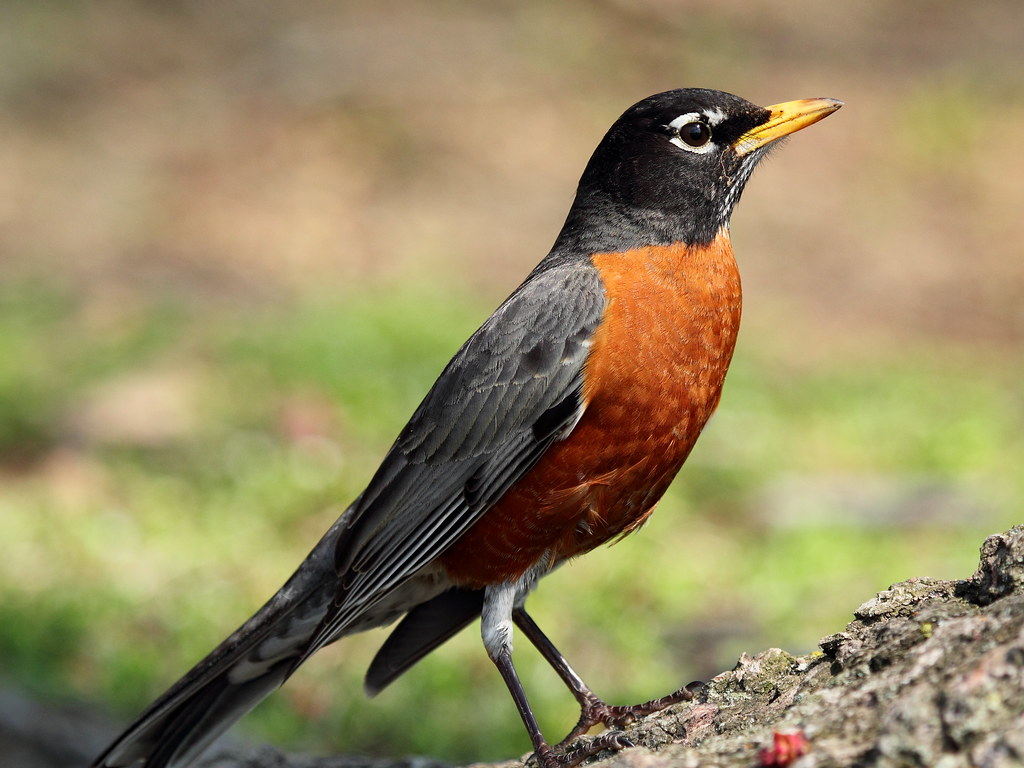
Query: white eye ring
column 683, row 120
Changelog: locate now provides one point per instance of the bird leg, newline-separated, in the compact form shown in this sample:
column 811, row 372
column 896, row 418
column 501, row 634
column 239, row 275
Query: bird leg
column 547, row 756
column 592, row 709
column 496, row 620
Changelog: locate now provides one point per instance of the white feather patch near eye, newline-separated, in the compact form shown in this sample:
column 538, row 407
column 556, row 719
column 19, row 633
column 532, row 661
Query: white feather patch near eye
column 682, row 120
column 714, row 116
column 701, row 150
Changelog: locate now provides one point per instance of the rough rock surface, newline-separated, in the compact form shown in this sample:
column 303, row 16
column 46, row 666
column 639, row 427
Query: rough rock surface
column 930, row 673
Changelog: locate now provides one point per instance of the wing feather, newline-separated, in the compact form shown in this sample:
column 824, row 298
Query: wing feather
column 513, row 389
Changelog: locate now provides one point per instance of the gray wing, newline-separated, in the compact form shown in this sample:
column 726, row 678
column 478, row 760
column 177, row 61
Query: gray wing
column 513, row 389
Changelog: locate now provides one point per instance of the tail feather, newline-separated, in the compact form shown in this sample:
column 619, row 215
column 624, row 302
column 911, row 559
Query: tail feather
column 255, row 660
column 423, row 629
column 182, row 734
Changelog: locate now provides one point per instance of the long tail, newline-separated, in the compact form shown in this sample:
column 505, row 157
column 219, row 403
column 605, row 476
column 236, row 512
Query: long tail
column 250, row 664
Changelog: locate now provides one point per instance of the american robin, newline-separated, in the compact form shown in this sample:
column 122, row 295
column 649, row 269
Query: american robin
column 556, row 427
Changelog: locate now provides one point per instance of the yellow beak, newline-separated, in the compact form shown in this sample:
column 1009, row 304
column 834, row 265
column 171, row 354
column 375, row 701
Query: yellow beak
column 785, row 119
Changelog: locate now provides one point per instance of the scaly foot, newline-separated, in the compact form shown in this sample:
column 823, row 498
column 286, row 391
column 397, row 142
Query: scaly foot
column 595, row 711
column 561, row 757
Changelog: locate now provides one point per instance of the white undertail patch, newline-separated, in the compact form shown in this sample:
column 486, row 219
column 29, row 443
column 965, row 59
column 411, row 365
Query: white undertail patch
column 496, row 618
column 499, row 602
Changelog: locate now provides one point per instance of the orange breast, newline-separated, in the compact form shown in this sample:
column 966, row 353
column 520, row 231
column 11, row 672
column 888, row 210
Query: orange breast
column 652, row 380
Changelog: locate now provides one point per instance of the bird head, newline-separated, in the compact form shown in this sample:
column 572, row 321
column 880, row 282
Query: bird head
column 672, row 167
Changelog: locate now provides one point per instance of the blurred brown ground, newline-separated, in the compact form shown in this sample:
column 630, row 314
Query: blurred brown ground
column 239, row 150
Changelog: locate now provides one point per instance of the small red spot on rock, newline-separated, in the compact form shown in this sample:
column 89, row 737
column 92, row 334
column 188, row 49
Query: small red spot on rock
column 786, row 747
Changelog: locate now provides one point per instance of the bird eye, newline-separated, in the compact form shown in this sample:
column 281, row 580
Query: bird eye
column 695, row 134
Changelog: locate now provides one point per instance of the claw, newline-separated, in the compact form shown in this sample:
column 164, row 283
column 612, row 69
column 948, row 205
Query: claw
column 696, row 687
column 596, row 712
column 561, row 757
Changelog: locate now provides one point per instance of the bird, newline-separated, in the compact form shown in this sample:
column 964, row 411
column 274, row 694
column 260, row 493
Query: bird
column 555, row 428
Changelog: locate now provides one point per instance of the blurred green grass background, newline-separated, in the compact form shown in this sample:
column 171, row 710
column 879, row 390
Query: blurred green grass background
column 238, row 241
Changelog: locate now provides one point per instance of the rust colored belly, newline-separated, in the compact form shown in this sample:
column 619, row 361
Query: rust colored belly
column 653, row 378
